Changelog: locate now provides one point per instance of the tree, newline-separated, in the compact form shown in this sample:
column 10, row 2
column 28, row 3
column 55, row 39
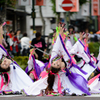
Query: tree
column 43, row 21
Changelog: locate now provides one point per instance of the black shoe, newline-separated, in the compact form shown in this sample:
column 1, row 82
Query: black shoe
column 7, row 93
column 73, row 94
column 17, row 93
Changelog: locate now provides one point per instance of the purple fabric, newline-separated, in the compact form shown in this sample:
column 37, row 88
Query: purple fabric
column 91, row 64
column 79, row 69
column 99, row 78
column 45, row 65
column 26, row 70
column 65, row 47
column 36, row 67
column 78, row 81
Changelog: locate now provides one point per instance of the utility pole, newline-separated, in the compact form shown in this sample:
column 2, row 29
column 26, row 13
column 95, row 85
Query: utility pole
column 90, row 16
column 33, row 15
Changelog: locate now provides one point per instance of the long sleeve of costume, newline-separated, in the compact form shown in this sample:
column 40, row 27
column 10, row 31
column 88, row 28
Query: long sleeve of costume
column 59, row 49
column 68, row 45
column 78, row 49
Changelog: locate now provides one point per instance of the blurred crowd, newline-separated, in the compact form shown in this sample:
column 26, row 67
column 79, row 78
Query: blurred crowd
column 15, row 44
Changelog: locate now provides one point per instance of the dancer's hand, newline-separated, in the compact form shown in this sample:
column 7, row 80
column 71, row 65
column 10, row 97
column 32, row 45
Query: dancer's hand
column 81, row 35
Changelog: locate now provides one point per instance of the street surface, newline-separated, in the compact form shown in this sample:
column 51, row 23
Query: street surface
column 21, row 97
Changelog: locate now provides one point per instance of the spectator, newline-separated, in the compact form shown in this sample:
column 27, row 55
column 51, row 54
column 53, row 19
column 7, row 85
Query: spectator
column 25, row 45
column 18, row 34
column 16, row 49
column 39, row 42
column 10, row 39
column 89, row 35
column 71, row 34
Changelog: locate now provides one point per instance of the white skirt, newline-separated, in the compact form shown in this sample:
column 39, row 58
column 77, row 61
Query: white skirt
column 41, row 84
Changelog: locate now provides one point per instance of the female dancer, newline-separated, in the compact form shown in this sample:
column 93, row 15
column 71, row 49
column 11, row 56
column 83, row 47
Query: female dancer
column 89, row 62
column 62, row 78
column 35, row 67
column 12, row 77
column 94, row 83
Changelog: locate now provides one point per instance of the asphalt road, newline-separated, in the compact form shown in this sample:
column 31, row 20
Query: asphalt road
column 21, row 97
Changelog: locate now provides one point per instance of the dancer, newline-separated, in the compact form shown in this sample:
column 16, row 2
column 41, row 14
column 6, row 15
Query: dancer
column 35, row 66
column 12, row 77
column 62, row 78
column 94, row 83
column 89, row 62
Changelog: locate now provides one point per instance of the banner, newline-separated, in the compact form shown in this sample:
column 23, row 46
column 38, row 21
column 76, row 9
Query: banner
column 58, row 6
column 40, row 2
column 86, row 9
column 24, row 2
column 75, row 6
column 95, row 7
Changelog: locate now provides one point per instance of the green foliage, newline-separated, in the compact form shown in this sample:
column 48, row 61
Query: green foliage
column 21, row 61
column 54, row 6
column 94, row 48
column 10, row 3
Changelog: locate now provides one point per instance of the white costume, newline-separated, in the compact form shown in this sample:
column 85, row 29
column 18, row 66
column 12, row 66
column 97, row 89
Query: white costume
column 94, row 83
column 78, row 49
column 69, row 81
column 18, row 78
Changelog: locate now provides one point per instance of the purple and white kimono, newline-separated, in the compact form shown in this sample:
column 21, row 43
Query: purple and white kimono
column 90, row 64
column 36, row 65
column 70, row 82
column 18, row 78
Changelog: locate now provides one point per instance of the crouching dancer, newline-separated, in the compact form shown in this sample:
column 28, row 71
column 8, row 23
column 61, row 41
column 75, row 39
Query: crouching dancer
column 12, row 77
